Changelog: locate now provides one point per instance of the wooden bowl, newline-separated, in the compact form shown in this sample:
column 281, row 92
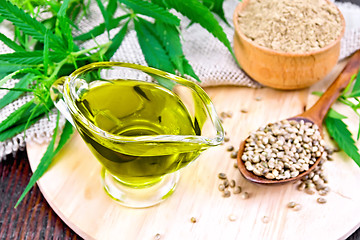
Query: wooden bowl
column 283, row 70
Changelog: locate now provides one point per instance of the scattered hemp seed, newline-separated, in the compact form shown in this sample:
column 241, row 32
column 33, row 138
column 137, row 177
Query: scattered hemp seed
column 301, row 186
column 321, row 200
column 245, row 195
column 322, row 192
column 232, row 183
column 291, row 204
column 226, row 139
column 193, row 220
column 330, row 158
column 324, row 178
column 265, row 219
column 258, row 98
column 297, row 207
column 244, row 111
column 226, row 183
column 236, row 165
column 232, row 218
column 234, row 154
column 157, row 236
column 221, row 187
column 223, row 115
column 230, row 148
column 222, row 175
column 309, row 191
column 336, row 149
column 237, row 190
column 226, row 193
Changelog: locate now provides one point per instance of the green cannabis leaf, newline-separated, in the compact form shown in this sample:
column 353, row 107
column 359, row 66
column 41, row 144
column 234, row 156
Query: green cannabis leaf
column 27, row 24
column 334, row 114
column 199, row 13
column 31, row 58
column 152, row 10
column 100, row 29
column 154, row 52
column 11, row 96
column 339, row 131
column 50, row 153
column 216, row 6
column 356, row 88
column 11, row 44
column 45, row 50
column 116, row 41
column 334, row 120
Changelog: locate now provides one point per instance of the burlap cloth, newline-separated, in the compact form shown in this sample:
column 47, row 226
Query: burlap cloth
column 210, row 59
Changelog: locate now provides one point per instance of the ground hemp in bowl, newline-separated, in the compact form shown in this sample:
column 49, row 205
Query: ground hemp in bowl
column 295, row 26
column 283, row 150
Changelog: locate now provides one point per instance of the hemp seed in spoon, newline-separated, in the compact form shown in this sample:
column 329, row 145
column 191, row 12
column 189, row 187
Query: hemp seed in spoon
column 283, row 150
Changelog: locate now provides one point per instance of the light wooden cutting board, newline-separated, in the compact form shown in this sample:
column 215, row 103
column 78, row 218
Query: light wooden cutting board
column 73, row 189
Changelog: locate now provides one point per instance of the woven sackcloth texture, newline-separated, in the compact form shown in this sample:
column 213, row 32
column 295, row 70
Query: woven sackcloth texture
column 210, row 59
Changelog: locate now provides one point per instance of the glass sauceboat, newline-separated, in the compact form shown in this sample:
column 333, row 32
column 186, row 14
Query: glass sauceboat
column 162, row 123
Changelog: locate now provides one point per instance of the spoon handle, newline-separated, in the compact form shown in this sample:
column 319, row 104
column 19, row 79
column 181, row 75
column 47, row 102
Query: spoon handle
column 319, row 110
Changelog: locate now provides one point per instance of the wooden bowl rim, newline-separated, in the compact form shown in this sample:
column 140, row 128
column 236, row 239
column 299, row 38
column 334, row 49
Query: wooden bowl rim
column 242, row 4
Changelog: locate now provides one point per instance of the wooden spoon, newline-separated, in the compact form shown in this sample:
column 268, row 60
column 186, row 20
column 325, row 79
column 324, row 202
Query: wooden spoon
column 315, row 115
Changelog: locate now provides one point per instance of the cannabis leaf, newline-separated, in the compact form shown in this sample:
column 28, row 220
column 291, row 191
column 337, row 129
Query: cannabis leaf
column 334, row 114
column 111, row 7
column 50, row 153
column 154, row 52
column 356, row 88
column 116, row 41
column 198, row 13
column 27, row 24
column 216, row 6
column 334, row 120
column 18, row 72
column 11, row 96
column 105, row 14
column 98, row 30
column 30, row 58
column 62, row 10
column 11, row 44
column 169, row 36
column 152, row 10
column 46, row 51
column 6, row 67
column 24, row 113
column 339, row 131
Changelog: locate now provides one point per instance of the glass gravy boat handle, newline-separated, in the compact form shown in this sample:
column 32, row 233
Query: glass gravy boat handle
column 56, row 94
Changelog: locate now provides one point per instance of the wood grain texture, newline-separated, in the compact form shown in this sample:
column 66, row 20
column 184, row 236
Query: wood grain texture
column 73, row 189
column 33, row 218
column 13, row 168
